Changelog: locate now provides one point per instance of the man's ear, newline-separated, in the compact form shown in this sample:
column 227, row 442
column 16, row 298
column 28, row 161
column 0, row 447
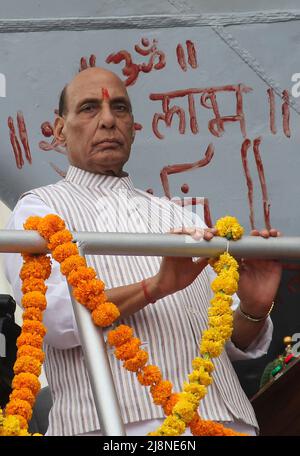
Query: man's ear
column 59, row 124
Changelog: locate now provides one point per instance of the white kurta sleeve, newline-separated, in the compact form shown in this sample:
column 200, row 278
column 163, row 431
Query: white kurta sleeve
column 59, row 317
column 259, row 345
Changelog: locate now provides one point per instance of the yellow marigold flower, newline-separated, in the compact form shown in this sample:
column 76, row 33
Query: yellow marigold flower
column 26, row 381
column 221, row 320
column 211, row 334
column 22, row 422
column 120, row 335
column 225, row 332
column 24, row 433
column 221, row 298
column 34, row 299
column 168, row 407
column 1, row 417
column 206, row 364
column 61, row 237
column 228, row 285
column 149, row 375
column 161, row 392
column 11, row 426
column 25, row 394
column 19, row 407
column 213, row 349
column 34, row 327
column 229, row 227
column 137, row 362
column 32, row 313
column 185, row 410
column 34, row 285
column 200, row 376
column 128, row 350
column 49, row 225
column 105, row 314
column 32, row 223
column 71, row 263
column 82, row 274
column 191, row 398
column 172, row 426
column 27, row 350
column 199, row 391
column 30, row 339
column 87, row 290
column 64, row 251
column 27, row 364
column 219, row 309
column 225, row 261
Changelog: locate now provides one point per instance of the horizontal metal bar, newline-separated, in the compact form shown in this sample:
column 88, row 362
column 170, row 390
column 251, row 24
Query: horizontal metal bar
column 145, row 21
column 142, row 244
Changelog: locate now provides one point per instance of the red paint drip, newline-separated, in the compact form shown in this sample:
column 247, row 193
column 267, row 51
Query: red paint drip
column 286, row 113
column 105, row 94
column 244, row 151
column 262, row 179
column 272, row 111
column 137, row 126
column 23, row 135
column 185, row 188
column 47, row 129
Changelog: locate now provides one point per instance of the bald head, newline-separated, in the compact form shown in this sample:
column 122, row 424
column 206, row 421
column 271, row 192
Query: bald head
column 94, row 72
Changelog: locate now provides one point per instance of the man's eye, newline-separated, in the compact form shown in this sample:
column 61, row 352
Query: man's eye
column 88, row 108
column 121, row 108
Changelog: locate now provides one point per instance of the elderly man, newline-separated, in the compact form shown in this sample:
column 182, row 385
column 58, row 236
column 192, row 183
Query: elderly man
column 95, row 123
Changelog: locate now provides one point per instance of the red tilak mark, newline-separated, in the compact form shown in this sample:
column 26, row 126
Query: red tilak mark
column 179, row 168
column 272, row 111
column 137, row 126
column 181, row 57
column 23, row 135
column 185, row 188
column 286, row 113
column 15, row 143
column 105, row 94
column 244, row 151
column 47, row 129
column 261, row 174
column 192, row 56
column 208, row 99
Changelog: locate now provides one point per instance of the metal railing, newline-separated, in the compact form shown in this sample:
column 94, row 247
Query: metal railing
column 91, row 337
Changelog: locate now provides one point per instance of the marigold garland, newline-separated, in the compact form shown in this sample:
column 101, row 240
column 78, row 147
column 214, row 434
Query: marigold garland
column 180, row 408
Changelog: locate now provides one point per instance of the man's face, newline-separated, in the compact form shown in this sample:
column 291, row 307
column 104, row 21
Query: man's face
column 97, row 127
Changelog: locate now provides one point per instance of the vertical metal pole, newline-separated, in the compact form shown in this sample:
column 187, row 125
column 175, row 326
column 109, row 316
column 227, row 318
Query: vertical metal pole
column 99, row 371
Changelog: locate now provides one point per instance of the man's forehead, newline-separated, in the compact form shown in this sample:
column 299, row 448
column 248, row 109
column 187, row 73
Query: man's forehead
column 91, row 86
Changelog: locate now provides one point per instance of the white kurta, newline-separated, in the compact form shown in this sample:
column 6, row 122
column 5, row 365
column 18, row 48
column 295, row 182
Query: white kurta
column 171, row 327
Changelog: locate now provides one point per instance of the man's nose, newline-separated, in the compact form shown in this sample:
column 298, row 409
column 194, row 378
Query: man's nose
column 106, row 117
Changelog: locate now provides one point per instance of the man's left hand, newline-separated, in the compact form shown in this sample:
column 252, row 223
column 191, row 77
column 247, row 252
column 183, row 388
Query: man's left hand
column 259, row 280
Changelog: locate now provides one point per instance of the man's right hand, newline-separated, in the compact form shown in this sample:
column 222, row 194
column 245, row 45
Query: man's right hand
column 176, row 273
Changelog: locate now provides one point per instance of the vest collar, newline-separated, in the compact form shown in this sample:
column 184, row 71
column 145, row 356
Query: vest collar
column 91, row 180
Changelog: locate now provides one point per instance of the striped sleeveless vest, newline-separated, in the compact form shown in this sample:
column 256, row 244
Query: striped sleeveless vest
column 170, row 329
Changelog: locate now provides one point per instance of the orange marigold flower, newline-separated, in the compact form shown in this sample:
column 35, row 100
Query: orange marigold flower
column 32, row 313
column 171, row 402
column 82, row 274
column 34, row 327
column 95, row 301
column 149, row 375
column 25, row 394
column 32, row 223
column 30, row 339
column 128, row 350
column 120, row 335
column 161, row 392
column 26, row 381
column 72, row 263
column 61, row 237
column 209, row 428
column 105, row 314
column 19, row 407
column 27, row 364
column 136, row 363
column 87, row 290
column 32, row 269
column 28, row 350
column 49, row 225
column 34, row 299
column 62, row 252
column 34, row 285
